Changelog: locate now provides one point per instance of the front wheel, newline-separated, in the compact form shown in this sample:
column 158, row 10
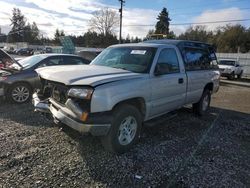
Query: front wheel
column 231, row 76
column 125, row 129
column 201, row 107
column 239, row 75
column 19, row 93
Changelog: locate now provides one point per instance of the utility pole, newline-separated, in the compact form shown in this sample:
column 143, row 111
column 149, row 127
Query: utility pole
column 120, row 10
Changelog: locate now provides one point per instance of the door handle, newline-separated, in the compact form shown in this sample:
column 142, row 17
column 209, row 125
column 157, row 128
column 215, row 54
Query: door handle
column 180, row 80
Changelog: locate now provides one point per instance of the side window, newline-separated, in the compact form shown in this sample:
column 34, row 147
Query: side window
column 168, row 61
column 53, row 61
column 199, row 59
column 75, row 61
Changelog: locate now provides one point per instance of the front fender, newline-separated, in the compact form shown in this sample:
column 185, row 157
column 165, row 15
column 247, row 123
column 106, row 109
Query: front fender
column 105, row 97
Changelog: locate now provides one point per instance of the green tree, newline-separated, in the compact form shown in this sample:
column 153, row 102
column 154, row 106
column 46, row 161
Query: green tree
column 35, row 33
column 197, row 33
column 57, row 36
column 162, row 25
column 150, row 32
column 230, row 39
column 127, row 40
column 18, row 22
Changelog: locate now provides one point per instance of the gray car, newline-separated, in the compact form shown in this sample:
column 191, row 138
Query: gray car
column 18, row 80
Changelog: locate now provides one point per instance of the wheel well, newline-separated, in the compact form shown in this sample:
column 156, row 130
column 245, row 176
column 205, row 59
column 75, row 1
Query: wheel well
column 21, row 82
column 138, row 102
column 209, row 86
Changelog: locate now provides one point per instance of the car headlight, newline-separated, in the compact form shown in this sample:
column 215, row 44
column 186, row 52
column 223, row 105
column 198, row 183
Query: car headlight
column 81, row 93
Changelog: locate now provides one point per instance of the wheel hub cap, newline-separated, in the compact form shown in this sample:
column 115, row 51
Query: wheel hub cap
column 205, row 103
column 20, row 94
column 127, row 130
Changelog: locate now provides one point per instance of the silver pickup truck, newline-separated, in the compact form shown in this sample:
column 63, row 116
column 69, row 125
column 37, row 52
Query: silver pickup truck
column 127, row 85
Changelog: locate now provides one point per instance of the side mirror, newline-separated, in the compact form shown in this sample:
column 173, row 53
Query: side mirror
column 237, row 65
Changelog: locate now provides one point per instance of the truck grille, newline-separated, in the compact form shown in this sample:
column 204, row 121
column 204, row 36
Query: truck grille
column 59, row 92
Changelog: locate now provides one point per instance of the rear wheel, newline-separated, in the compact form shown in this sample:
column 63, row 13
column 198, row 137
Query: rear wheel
column 200, row 108
column 19, row 93
column 125, row 129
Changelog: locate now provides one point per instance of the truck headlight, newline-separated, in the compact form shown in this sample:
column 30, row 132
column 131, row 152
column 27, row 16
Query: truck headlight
column 81, row 93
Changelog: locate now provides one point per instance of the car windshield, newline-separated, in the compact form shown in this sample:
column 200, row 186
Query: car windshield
column 134, row 59
column 226, row 62
column 31, row 61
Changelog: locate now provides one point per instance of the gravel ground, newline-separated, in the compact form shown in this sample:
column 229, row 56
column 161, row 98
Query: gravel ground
column 185, row 151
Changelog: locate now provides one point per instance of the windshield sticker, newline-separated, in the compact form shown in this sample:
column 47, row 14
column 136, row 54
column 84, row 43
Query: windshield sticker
column 138, row 52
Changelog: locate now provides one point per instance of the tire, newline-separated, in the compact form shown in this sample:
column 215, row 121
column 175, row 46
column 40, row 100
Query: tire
column 127, row 120
column 231, row 76
column 19, row 93
column 239, row 75
column 200, row 108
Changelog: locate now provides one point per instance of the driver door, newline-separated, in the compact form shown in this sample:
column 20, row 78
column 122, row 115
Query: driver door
column 168, row 83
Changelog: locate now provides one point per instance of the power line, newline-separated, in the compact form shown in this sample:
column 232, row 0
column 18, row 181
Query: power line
column 197, row 12
column 206, row 4
column 194, row 23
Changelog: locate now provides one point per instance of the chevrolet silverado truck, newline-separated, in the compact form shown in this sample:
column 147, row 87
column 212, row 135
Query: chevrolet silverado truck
column 127, row 85
column 230, row 68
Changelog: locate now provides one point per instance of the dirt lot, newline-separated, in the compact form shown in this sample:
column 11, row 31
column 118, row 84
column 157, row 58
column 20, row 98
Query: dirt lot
column 185, row 151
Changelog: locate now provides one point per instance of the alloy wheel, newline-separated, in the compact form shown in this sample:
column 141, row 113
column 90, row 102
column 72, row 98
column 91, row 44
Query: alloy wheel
column 20, row 94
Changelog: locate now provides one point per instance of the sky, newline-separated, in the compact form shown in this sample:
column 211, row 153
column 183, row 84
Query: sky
column 139, row 16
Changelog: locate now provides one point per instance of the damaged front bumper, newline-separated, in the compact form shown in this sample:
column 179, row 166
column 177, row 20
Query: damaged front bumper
column 71, row 118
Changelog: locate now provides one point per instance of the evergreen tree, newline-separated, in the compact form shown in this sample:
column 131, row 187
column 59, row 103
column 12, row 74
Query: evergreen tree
column 162, row 26
column 34, row 33
column 57, row 36
column 18, row 22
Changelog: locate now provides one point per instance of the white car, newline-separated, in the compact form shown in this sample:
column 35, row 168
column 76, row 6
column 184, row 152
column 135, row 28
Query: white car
column 230, row 68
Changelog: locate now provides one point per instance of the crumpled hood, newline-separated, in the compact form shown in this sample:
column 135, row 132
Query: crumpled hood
column 85, row 74
column 226, row 67
column 5, row 73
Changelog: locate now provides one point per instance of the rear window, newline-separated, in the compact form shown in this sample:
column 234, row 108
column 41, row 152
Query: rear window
column 199, row 59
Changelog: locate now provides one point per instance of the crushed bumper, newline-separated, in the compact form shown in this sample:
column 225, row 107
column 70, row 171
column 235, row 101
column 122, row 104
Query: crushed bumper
column 67, row 117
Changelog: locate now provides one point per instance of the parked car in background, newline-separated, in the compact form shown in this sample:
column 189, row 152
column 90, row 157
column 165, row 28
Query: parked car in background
column 129, row 84
column 230, row 68
column 25, row 51
column 18, row 80
column 89, row 54
column 47, row 49
column 9, row 50
column 5, row 59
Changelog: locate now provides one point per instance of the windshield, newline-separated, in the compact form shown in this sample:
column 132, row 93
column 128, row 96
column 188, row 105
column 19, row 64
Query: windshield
column 226, row 62
column 134, row 59
column 31, row 61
